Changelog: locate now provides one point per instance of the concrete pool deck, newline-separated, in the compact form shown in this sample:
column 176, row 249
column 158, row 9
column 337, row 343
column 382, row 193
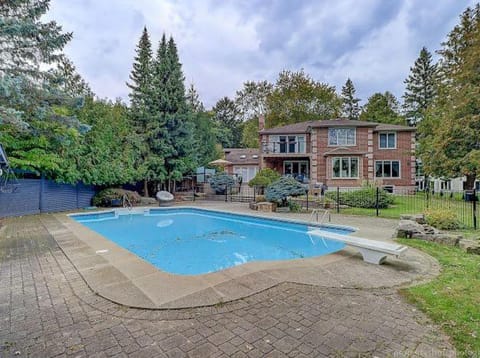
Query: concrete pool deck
column 47, row 310
column 122, row 277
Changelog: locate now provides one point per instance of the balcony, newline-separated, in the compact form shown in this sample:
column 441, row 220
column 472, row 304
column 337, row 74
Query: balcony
column 284, row 147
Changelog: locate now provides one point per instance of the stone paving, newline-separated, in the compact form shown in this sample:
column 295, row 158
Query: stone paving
column 47, row 310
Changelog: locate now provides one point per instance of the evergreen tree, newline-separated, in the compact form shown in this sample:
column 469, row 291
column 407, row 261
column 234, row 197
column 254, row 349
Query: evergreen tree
column 70, row 81
column 421, row 87
column 179, row 123
column 193, row 100
column 449, row 140
column 382, row 108
column 350, row 107
column 141, row 111
column 37, row 122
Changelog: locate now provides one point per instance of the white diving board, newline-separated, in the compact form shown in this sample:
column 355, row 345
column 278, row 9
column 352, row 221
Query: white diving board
column 373, row 251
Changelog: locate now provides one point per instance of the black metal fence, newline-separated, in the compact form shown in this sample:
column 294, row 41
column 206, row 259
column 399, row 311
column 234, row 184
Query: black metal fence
column 368, row 201
column 378, row 202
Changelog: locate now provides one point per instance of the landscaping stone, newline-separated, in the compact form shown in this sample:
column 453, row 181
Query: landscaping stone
column 418, row 218
column 444, row 239
column 266, row 206
column 407, row 229
column 411, row 229
column 253, row 206
column 147, row 200
column 470, row 246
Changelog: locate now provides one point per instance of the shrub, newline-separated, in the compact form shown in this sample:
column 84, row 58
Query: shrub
column 264, row 178
column 260, row 198
column 363, row 198
column 442, row 219
column 284, row 187
column 294, row 206
column 105, row 197
column 220, row 181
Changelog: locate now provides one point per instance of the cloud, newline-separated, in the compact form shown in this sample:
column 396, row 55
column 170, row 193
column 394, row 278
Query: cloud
column 225, row 43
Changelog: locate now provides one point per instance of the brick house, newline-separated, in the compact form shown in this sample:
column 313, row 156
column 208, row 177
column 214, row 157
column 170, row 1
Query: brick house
column 341, row 153
column 244, row 162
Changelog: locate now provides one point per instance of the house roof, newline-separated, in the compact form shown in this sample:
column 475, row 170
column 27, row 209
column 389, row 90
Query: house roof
column 242, row 156
column 393, row 127
column 304, row 127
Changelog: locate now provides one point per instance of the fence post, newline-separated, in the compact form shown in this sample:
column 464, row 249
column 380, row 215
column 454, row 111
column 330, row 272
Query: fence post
column 254, row 193
column 193, row 190
column 377, row 195
column 307, row 199
column 338, row 199
column 474, row 207
column 226, row 192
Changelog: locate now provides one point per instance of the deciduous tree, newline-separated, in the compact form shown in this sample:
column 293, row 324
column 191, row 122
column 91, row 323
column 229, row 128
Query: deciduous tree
column 382, row 108
column 297, row 97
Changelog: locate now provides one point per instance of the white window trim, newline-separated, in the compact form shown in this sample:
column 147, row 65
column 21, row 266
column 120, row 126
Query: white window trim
column 388, row 160
column 342, row 145
column 345, row 178
column 387, row 148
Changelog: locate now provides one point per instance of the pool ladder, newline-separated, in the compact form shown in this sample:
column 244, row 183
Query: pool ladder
column 126, row 202
column 316, row 215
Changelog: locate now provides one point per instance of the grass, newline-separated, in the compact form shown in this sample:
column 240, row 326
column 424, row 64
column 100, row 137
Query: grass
column 452, row 300
column 416, row 204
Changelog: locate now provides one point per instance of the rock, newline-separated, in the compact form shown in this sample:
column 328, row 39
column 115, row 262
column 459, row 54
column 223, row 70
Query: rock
column 407, row 229
column 147, row 201
column 253, row 206
column 470, row 246
column 266, row 206
column 418, row 218
column 444, row 239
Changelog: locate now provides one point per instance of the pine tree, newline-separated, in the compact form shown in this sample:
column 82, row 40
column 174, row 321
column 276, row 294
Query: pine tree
column 141, row 106
column 350, row 107
column 421, row 87
column 193, row 100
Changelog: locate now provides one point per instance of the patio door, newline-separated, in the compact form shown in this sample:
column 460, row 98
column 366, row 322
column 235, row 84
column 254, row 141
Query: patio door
column 299, row 169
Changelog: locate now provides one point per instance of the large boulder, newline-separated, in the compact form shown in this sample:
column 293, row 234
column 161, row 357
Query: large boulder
column 408, row 229
column 444, row 239
column 470, row 246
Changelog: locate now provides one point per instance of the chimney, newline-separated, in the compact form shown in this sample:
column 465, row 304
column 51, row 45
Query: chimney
column 261, row 122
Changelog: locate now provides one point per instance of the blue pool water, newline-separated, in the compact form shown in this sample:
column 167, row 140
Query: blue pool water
column 193, row 241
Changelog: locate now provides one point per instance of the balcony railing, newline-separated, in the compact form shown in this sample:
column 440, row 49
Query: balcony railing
column 291, row 147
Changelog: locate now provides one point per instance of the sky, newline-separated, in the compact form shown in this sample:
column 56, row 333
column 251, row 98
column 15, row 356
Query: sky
column 223, row 43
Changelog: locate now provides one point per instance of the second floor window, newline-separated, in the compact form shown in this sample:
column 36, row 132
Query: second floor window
column 289, row 144
column 341, row 136
column 387, row 140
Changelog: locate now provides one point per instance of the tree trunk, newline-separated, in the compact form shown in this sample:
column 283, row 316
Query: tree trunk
column 470, row 183
column 145, row 188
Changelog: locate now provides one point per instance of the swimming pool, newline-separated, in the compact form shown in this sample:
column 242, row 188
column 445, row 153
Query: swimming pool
column 188, row 241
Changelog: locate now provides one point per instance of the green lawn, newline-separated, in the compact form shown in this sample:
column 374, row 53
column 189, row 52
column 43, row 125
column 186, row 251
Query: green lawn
column 452, row 300
column 416, row 204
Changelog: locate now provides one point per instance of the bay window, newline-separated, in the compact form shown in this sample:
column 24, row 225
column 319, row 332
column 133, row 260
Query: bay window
column 345, row 167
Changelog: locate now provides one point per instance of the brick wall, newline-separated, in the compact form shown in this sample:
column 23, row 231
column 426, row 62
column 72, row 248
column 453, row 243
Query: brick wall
column 404, row 152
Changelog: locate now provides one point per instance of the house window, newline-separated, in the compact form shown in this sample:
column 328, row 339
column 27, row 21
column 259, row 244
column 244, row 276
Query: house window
column 387, row 169
column 388, row 140
column 341, row 136
column 291, row 144
column 345, row 167
column 299, row 169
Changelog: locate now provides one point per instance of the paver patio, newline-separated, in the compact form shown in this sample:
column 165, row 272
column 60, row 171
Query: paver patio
column 47, row 310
